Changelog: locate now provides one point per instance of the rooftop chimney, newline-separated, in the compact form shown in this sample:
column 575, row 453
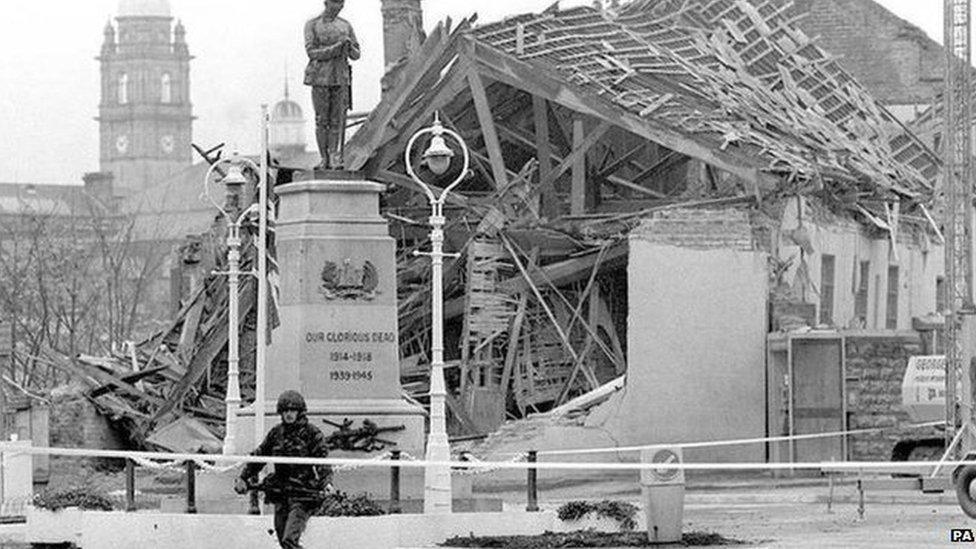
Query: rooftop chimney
column 403, row 31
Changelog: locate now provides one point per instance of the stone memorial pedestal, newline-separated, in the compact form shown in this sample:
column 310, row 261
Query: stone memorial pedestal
column 337, row 342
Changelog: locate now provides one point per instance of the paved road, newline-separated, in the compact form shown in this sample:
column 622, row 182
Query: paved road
column 807, row 525
column 797, row 516
column 791, row 517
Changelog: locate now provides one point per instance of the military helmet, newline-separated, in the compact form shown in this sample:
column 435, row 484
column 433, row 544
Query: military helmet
column 291, row 400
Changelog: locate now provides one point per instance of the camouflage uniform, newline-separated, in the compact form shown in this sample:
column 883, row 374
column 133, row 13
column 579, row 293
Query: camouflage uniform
column 329, row 74
column 299, row 439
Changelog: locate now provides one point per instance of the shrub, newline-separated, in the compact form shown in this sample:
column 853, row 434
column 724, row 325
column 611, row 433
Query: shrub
column 83, row 498
column 339, row 504
column 620, row 511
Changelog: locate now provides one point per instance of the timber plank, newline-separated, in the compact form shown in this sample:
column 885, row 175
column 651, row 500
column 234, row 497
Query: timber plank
column 564, row 272
column 213, row 342
column 488, row 132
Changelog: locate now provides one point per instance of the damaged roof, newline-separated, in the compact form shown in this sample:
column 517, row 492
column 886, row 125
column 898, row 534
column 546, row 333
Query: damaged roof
column 732, row 83
column 734, row 72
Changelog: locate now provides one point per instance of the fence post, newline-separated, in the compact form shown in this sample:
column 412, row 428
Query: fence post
column 532, row 485
column 130, row 485
column 395, row 484
column 191, row 487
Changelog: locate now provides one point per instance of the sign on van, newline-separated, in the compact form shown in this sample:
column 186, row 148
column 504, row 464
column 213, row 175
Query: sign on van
column 923, row 388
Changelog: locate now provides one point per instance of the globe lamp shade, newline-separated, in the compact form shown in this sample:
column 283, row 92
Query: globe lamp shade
column 438, row 155
column 234, row 177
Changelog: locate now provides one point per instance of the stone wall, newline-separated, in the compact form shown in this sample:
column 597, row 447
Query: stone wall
column 875, row 367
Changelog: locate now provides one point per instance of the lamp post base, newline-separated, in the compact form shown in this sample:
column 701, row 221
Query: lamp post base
column 437, row 478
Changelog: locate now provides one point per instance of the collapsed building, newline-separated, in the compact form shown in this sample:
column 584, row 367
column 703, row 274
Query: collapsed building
column 656, row 191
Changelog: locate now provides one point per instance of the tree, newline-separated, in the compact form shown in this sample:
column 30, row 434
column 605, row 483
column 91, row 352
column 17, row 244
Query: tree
column 71, row 281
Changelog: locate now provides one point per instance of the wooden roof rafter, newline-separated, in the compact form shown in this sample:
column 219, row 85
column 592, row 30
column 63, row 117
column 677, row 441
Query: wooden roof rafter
column 437, row 54
column 666, row 79
column 540, row 81
column 749, row 24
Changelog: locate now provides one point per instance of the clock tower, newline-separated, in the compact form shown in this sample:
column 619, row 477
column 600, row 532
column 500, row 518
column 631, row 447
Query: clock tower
column 145, row 117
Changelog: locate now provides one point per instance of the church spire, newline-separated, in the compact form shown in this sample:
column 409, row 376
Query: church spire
column 286, row 81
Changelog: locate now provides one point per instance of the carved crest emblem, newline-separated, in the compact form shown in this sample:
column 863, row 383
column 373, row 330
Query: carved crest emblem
column 347, row 282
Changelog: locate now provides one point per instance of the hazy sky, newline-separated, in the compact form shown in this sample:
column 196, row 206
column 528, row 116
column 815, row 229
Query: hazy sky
column 49, row 79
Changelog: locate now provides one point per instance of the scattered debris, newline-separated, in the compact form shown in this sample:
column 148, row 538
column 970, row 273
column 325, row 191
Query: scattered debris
column 586, row 538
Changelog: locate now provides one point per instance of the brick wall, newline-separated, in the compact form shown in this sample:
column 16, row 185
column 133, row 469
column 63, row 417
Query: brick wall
column 895, row 60
column 875, row 368
column 727, row 228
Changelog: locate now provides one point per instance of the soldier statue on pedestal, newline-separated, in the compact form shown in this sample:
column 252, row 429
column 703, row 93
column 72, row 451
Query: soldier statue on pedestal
column 330, row 43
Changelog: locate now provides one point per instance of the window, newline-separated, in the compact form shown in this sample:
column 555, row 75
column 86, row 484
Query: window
column 166, row 88
column 827, row 289
column 123, row 91
column 861, row 294
column 940, row 296
column 891, row 315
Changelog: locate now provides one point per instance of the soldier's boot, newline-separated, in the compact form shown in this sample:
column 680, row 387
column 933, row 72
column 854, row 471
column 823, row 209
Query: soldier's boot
column 336, row 142
column 322, row 135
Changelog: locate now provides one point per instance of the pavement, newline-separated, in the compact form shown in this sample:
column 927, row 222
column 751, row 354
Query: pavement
column 759, row 510
column 796, row 512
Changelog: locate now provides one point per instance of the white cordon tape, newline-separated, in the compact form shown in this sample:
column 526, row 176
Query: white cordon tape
column 208, row 468
column 736, row 442
column 853, row 466
column 159, row 466
column 489, row 469
column 380, row 457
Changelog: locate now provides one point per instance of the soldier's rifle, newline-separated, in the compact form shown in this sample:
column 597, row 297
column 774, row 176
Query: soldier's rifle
column 278, row 490
column 363, row 439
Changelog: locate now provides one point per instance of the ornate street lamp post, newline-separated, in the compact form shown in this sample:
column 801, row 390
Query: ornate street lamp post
column 437, row 478
column 234, row 181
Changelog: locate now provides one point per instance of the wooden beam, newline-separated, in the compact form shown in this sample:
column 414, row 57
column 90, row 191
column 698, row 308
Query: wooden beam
column 460, row 414
column 619, row 181
column 564, row 339
column 393, row 178
column 476, row 155
column 565, row 272
column 515, row 333
column 488, row 128
column 581, row 148
column 544, row 82
column 615, row 166
column 667, row 161
column 212, row 343
column 514, row 338
column 117, row 383
column 518, row 138
column 577, row 195
column 543, row 147
column 370, row 136
column 133, row 378
column 391, row 147
column 580, row 365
